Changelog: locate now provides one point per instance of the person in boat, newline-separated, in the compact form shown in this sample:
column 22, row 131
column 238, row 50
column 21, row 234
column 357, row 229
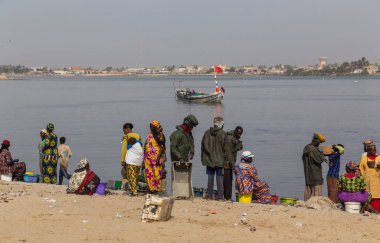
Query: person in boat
column 83, row 181
column 8, row 165
column 50, row 150
column 128, row 133
column 234, row 145
column 370, row 168
column 248, row 182
column 155, row 157
column 213, row 156
column 182, row 141
column 352, row 186
column 333, row 172
column 313, row 158
column 133, row 160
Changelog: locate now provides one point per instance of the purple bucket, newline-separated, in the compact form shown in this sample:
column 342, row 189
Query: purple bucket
column 101, row 190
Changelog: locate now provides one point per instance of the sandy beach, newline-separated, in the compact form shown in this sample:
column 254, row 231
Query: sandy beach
column 42, row 213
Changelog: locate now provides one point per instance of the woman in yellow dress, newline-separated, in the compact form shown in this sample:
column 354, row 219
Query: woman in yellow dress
column 154, row 157
column 370, row 168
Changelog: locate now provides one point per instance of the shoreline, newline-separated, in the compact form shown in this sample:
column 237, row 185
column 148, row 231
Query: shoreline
column 40, row 212
column 23, row 77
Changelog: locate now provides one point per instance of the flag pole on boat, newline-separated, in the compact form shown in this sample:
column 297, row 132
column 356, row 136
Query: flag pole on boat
column 217, row 70
column 216, row 83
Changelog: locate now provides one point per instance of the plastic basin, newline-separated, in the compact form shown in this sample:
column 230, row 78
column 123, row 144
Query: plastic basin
column 101, row 190
column 30, row 178
column 289, row 201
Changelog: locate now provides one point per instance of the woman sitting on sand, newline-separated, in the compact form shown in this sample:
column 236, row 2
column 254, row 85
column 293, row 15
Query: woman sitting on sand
column 247, row 181
column 84, row 181
column 9, row 165
column 352, row 185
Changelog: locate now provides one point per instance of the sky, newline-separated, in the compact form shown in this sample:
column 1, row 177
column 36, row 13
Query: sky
column 123, row 33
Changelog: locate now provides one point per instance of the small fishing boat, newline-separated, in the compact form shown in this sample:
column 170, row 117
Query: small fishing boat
column 193, row 96
column 199, row 97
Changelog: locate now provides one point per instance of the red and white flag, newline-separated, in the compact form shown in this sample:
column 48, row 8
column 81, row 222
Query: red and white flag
column 218, row 69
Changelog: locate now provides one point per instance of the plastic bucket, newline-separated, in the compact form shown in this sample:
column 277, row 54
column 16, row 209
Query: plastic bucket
column 118, row 185
column 101, row 190
column 352, row 207
column 245, row 198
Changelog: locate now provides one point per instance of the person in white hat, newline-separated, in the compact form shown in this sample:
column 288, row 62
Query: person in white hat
column 248, row 182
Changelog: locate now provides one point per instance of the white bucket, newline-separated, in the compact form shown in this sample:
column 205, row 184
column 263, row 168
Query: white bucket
column 352, row 207
column 7, row 178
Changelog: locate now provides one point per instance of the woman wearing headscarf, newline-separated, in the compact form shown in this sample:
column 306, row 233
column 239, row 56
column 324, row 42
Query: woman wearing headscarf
column 370, row 168
column 8, row 165
column 352, row 185
column 50, row 151
column 154, row 156
column 366, row 143
column 84, row 181
column 248, row 182
column 133, row 160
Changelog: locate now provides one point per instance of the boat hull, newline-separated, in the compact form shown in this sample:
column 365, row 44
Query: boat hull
column 184, row 95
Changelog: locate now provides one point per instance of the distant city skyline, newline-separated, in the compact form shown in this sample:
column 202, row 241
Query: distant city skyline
column 147, row 33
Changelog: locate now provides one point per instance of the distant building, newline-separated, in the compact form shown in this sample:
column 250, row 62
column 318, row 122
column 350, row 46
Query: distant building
column 322, row 62
column 60, row 72
column 372, row 69
column 77, row 70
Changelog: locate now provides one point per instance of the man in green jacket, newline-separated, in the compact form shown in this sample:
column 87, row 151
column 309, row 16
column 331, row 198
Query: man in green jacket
column 182, row 141
column 233, row 146
column 214, row 156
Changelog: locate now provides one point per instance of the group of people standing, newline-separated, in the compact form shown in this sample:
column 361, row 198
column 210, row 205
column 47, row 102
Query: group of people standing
column 219, row 151
column 360, row 183
column 146, row 160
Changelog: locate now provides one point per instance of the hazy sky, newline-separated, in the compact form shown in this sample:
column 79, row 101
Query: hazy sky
column 163, row 32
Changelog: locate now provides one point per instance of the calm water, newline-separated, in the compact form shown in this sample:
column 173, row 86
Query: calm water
column 279, row 116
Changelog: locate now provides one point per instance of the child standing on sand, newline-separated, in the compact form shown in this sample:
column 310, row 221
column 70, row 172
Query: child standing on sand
column 64, row 153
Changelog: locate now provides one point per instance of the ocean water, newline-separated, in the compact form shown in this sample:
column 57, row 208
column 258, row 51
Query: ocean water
column 278, row 114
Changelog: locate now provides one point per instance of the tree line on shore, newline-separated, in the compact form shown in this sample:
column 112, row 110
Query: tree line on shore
column 361, row 66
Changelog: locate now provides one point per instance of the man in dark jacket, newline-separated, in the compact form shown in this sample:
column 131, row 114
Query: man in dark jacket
column 233, row 146
column 182, row 141
column 312, row 159
column 214, row 156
